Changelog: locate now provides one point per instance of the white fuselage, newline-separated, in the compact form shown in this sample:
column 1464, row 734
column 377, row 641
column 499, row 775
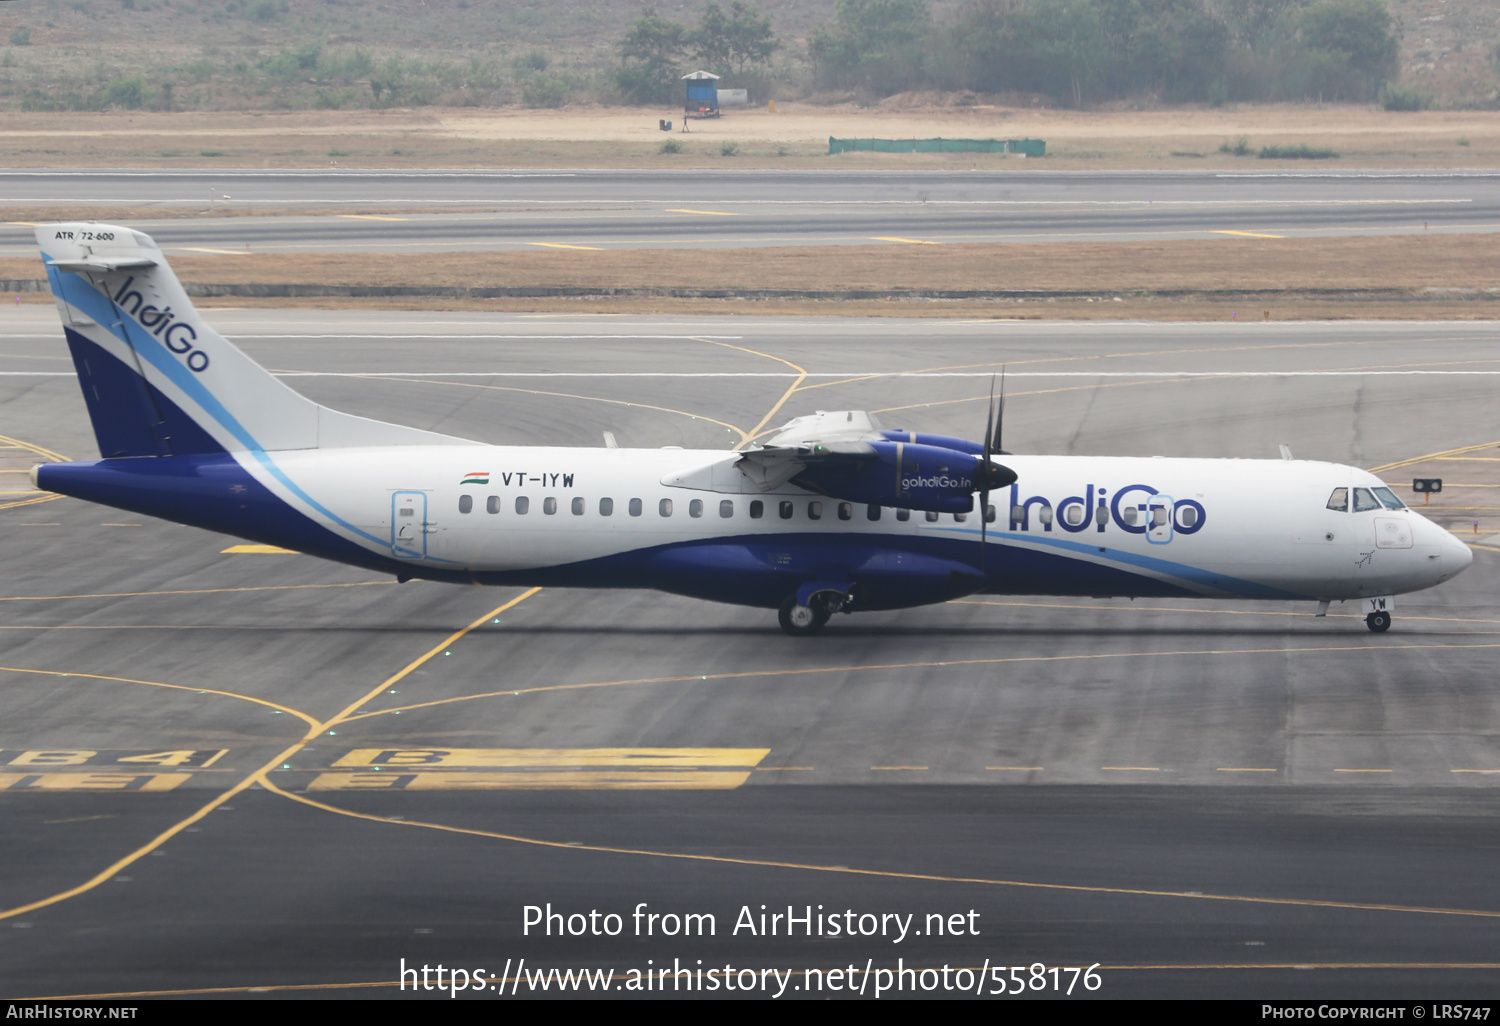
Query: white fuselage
column 1248, row 528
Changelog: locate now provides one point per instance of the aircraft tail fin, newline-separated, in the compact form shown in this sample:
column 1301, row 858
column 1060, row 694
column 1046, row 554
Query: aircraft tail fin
column 157, row 380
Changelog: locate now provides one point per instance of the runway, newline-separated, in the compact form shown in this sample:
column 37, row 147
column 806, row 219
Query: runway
column 430, row 211
column 257, row 772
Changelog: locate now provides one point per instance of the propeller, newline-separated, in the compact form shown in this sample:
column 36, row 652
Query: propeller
column 989, row 475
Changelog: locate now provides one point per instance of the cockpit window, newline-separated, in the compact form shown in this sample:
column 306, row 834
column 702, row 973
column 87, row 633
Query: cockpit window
column 1364, row 501
column 1388, row 497
column 1339, row 500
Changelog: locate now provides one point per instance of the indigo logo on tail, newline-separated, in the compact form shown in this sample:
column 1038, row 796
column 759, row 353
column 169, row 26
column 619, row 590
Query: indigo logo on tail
column 176, row 335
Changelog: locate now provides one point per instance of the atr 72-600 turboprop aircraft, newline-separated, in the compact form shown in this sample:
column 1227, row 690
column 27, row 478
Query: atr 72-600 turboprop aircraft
column 831, row 514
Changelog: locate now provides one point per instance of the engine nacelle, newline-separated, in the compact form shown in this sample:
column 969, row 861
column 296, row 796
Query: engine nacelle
column 903, row 474
column 940, row 441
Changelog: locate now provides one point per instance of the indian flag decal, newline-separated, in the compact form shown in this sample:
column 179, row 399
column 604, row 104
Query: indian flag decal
column 477, row 477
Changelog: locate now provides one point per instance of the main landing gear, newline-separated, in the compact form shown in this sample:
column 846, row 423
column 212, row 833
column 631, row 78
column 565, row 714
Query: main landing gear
column 1379, row 622
column 802, row 621
column 805, row 613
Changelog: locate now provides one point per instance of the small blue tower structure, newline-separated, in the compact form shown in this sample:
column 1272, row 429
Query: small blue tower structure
column 702, row 100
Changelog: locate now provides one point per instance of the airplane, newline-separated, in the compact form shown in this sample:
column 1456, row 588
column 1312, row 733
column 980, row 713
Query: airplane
column 833, row 513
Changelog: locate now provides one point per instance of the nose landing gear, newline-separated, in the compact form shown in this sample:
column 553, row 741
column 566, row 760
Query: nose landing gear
column 1379, row 621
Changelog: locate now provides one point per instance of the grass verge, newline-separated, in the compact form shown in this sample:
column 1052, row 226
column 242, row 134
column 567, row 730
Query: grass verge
column 1426, row 276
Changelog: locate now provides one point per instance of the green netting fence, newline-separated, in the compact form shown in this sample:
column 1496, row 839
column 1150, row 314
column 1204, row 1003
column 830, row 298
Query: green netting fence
column 1029, row 147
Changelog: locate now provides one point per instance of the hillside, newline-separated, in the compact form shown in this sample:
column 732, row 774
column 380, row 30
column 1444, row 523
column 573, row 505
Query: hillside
column 290, row 54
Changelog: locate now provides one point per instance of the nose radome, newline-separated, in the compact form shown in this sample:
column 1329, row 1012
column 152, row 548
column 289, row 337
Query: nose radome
column 1453, row 555
column 1463, row 557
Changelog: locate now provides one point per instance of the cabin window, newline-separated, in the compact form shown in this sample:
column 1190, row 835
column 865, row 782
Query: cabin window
column 1045, row 515
column 1101, row 515
column 989, row 513
column 903, row 515
column 846, row 511
column 872, row 511
column 959, row 518
column 931, row 517
column 578, row 505
column 785, row 512
column 1339, row 500
column 1187, row 515
column 549, row 505
column 815, row 510
column 635, row 507
column 726, row 508
column 757, row 509
column 695, row 508
column 522, row 504
column 606, row 507
column 1388, row 497
column 492, row 504
column 1364, row 501
column 665, row 507
column 1018, row 514
column 1075, row 514
column 466, row 503
column 1158, row 516
column 1130, row 514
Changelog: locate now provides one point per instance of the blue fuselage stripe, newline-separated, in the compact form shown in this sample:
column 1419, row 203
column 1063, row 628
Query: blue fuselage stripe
column 1181, row 571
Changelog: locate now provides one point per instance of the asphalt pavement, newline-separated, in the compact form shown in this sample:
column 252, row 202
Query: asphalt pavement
column 433, row 211
column 248, row 773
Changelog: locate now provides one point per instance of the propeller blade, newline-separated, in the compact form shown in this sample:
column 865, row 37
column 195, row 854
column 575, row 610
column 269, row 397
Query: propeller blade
column 989, row 424
column 1000, row 421
column 984, row 493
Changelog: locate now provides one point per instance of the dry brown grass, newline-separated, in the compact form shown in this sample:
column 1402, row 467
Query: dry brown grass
column 1411, row 262
column 1460, row 267
column 1130, row 308
column 795, row 136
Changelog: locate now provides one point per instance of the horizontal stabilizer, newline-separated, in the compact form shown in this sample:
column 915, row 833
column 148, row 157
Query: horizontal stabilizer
column 93, row 263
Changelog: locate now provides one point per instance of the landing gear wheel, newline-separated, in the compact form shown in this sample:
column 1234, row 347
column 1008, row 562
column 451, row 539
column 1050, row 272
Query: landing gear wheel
column 802, row 621
column 1378, row 622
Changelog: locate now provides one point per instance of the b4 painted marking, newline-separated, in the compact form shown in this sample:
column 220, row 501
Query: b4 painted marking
column 50, row 758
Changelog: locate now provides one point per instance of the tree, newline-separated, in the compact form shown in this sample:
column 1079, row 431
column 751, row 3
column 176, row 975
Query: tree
column 711, row 38
column 750, row 38
column 730, row 43
column 874, row 43
column 1261, row 24
column 653, row 40
column 1359, row 30
column 1350, row 47
column 652, row 50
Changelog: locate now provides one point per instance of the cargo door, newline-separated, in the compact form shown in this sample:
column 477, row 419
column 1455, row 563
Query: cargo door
column 1160, row 510
column 410, row 525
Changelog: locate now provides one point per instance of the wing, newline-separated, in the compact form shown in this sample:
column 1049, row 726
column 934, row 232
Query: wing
column 839, row 436
column 828, row 427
